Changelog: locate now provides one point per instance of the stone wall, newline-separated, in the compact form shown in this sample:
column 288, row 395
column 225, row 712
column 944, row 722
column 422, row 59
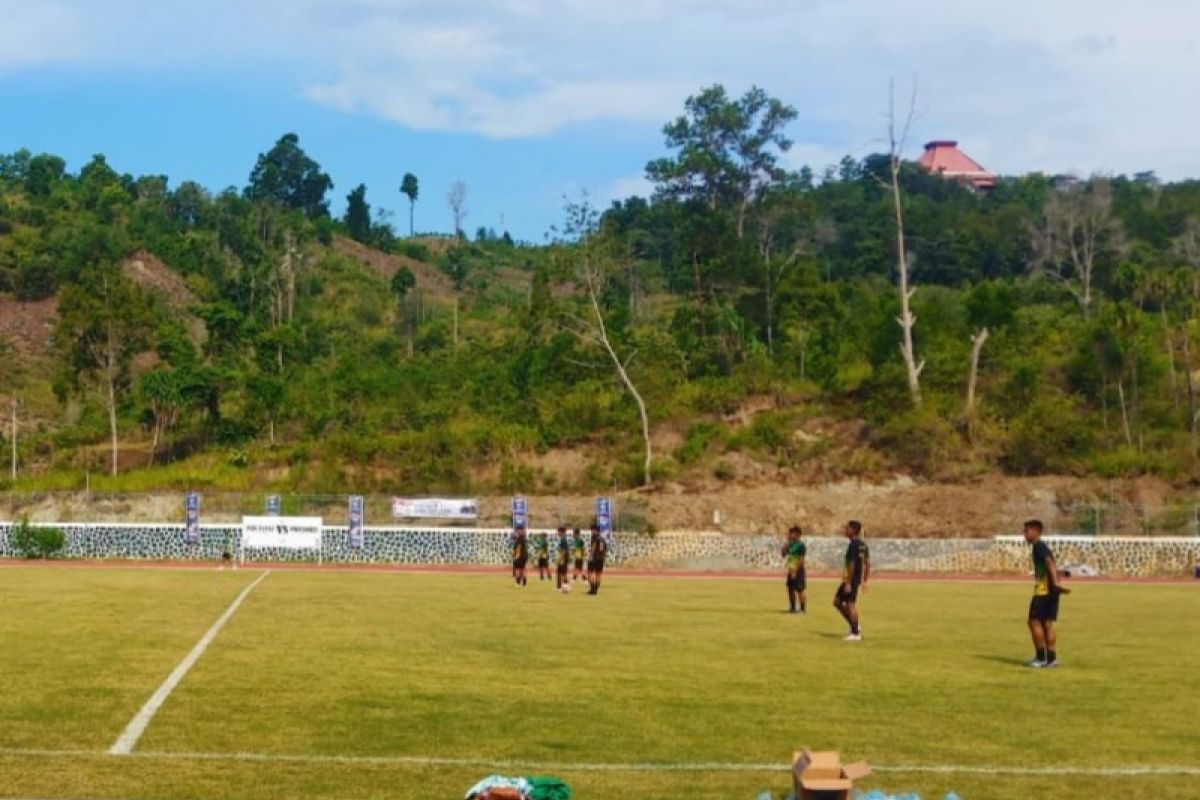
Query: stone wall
column 704, row 551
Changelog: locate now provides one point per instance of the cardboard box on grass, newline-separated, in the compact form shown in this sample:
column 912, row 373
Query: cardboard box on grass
column 823, row 776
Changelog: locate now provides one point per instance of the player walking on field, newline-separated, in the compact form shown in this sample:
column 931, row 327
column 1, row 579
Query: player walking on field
column 598, row 552
column 794, row 551
column 577, row 547
column 855, row 573
column 520, row 555
column 541, row 548
column 1043, row 608
column 562, row 558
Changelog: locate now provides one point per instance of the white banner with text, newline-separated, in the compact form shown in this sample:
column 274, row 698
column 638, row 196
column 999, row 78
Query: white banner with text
column 434, row 508
column 296, row 533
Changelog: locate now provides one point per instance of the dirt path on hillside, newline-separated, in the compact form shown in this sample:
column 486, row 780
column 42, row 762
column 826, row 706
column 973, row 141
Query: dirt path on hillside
column 900, row 507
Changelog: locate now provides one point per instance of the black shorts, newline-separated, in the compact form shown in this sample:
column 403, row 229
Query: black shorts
column 797, row 582
column 543, row 562
column 843, row 596
column 1044, row 607
column 563, row 567
column 519, row 563
column 579, row 563
column 596, row 566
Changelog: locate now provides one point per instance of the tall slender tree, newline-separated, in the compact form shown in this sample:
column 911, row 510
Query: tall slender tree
column 358, row 214
column 104, row 321
column 410, row 189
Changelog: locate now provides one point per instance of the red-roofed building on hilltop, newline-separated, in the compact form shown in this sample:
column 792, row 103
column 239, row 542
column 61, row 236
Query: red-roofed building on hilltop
column 942, row 157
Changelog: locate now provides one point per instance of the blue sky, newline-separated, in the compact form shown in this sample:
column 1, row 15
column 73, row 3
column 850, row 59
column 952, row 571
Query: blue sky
column 528, row 100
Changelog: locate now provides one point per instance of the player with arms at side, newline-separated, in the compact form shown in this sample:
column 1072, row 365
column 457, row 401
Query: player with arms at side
column 541, row 548
column 577, row 548
column 794, row 551
column 520, row 555
column 562, row 558
column 855, row 573
column 598, row 552
column 1043, row 608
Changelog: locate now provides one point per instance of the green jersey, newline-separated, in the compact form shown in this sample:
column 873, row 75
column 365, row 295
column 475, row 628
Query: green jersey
column 541, row 546
column 1041, row 572
column 577, row 546
column 795, row 556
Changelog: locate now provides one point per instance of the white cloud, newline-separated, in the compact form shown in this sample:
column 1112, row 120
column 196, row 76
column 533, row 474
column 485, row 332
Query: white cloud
column 37, row 33
column 1023, row 84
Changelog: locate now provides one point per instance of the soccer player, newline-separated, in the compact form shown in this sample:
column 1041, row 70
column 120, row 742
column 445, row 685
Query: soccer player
column 577, row 547
column 794, row 551
column 1043, row 608
column 855, row 573
column 599, row 550
column 520, row 555
column 541, row 547
column 562, row 558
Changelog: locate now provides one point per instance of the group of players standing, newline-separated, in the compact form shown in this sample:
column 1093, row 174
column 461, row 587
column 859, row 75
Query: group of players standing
column 568, row 551
column 856, row 570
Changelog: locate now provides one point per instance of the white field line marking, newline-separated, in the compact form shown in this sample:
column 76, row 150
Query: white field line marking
column 552, row 766
column 128, row 739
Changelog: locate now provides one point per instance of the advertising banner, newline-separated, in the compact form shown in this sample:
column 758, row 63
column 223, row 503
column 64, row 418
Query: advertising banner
column 520, row 512
column 292, row 533
column 604, row 516
column 355, row 529
column 434, row 508
column 191, row 533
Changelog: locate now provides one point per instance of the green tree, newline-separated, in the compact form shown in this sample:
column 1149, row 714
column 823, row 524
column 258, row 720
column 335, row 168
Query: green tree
column 358, row 214
column 410, row 189
column 727, row 150
column 163, row 391
column 269, row 393
column 286, row 175
column 104, row 321
column 402, row 282
column 42, row 173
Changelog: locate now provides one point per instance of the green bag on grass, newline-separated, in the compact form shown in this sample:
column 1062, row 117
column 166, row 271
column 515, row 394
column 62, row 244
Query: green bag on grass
column 547, row 788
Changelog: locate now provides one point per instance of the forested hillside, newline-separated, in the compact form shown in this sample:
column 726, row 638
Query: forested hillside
column 178, row 337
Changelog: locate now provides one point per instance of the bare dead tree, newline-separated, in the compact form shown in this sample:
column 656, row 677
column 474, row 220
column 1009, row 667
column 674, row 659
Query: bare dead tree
column 13, row 471
column 592, row 272
column 456, row 198
column 977, row 341
column 1077, row 229
column 907, row 320
column 281, row 283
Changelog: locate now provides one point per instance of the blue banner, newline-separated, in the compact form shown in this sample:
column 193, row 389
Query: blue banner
column 191, row 533
column 272, row 505
column 355, row 531
column 520, row 512
column 604, row 516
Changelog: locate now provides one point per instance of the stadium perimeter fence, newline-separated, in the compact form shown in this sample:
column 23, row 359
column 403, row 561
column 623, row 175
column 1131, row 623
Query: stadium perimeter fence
column 1107, row 517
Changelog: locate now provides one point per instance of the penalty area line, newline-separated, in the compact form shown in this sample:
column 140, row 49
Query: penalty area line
column 129, row 737
column 1132, row 770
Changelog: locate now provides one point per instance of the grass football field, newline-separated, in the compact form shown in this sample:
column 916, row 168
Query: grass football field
column 392, row 685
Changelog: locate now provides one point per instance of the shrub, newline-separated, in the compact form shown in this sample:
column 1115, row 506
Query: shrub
column 696, row 441
column 36, row 542
column 414, row 250
column 724, row 471
column 920, row 439
column 1051, row 436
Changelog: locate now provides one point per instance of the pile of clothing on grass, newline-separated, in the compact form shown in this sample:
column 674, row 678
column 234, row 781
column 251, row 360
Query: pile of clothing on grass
column 538, row 787
column 874, row 794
